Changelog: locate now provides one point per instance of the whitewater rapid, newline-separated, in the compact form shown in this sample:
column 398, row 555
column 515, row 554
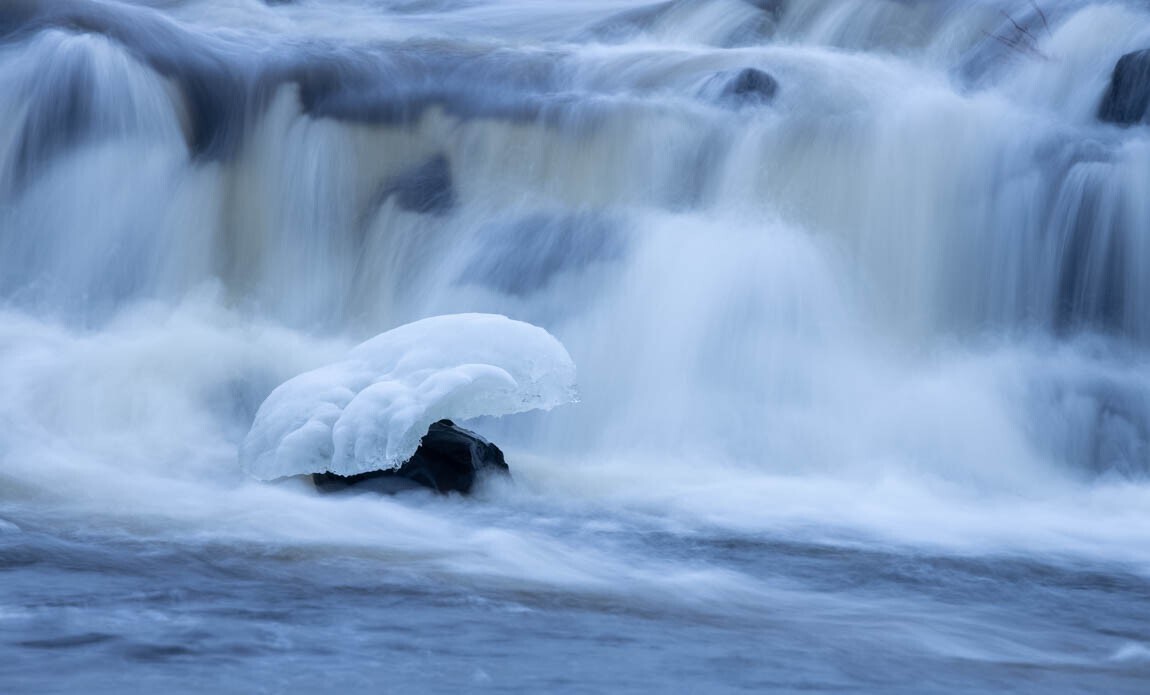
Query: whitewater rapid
column 898, row 309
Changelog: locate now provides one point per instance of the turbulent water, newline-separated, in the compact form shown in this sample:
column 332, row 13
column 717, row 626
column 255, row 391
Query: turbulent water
column 864, row 363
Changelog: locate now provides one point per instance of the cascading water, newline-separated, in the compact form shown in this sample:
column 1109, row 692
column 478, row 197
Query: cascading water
column 858, row 292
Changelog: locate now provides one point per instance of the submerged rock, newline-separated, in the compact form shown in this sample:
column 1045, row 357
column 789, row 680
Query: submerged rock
column 1127, row 99
column 627, row 24
column 449, row 459
column 749, row 87
column 426, row 188
column 526, row 254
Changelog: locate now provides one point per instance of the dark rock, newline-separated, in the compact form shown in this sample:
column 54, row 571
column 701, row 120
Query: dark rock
column 214, row 85
column 59, row 114
column 215, row 104
column 628, row 24
column 750, row 87
column 398, row 84
column 1127, row 99
column 524, row 255
column 426, row 188
column 225, row 85
column 15, row 14
column 449, row 459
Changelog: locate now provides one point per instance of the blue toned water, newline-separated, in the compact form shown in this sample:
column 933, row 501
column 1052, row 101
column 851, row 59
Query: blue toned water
column 863, row 358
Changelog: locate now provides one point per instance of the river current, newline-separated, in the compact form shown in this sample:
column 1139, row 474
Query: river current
column 858, row 292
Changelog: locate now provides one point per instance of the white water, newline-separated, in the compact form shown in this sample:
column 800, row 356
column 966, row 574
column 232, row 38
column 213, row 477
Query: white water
column 905, row 305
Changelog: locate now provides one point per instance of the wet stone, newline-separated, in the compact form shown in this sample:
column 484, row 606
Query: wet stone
column 449, row 459
column 749, row 87
column 1127, row 99
column 426, row 188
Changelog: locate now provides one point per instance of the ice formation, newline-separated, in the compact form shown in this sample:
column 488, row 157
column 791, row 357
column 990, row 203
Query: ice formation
column 369, row 411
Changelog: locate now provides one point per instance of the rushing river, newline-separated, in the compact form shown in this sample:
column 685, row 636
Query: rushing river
column 858, row 292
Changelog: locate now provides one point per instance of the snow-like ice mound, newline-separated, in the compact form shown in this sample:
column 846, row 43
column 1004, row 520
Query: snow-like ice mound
column 369, row 411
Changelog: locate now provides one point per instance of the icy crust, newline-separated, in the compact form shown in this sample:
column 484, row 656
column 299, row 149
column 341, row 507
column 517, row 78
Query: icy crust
column 369, row 411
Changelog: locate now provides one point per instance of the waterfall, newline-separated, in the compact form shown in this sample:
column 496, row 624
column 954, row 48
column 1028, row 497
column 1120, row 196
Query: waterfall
column 813, row 337
column 922, row 252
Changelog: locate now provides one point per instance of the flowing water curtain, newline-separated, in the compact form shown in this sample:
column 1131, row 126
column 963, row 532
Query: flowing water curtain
column 916, row 173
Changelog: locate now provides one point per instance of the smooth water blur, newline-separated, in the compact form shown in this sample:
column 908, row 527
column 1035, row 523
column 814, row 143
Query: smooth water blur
column 864, row 366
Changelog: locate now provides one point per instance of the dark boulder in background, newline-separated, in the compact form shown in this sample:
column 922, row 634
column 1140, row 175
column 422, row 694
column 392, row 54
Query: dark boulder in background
column 1127, row 99
column 749, row 87
column 426, row 188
